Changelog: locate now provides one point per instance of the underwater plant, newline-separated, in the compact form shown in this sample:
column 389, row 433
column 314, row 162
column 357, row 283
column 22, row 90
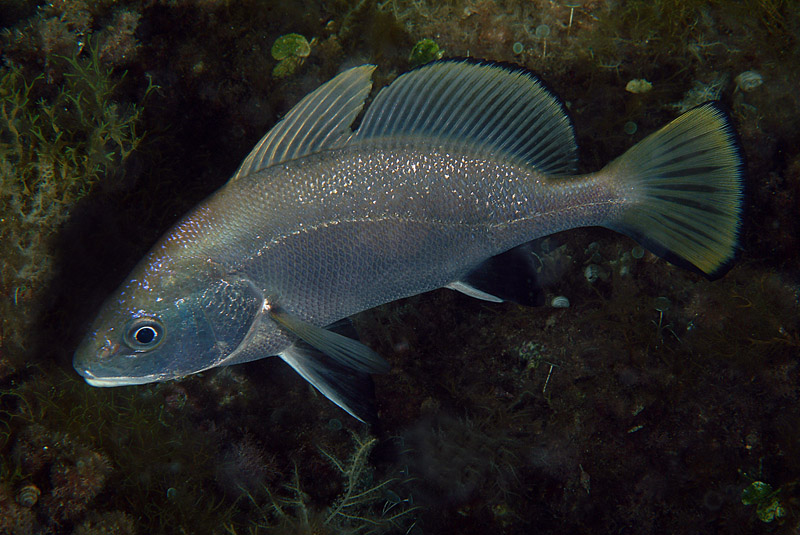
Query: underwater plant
column 765, row 498
column 290, row 50
column 365, row 505
column 77, row 444
column 53, row 148
column 425, row 51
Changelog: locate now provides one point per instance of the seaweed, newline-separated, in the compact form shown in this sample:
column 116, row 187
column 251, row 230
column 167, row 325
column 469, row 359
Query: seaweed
column 364, row 505
column 90, row 449
column 55, row 145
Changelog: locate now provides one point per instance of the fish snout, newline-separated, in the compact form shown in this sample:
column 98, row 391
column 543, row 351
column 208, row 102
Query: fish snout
column 93, row 352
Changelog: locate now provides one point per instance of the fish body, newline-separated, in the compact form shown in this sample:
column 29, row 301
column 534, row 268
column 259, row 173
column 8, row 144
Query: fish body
column 454, row 168
column 384, row 222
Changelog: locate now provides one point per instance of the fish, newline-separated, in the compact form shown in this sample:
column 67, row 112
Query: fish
column 442, row 182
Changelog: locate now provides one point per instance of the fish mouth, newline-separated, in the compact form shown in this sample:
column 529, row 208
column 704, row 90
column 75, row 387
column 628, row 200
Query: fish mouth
column 115, row 381
column 97, row 371
column 96, row 364
column 120, row 380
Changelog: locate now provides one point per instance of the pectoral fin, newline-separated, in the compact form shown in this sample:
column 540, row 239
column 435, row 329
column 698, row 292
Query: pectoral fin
column 346, row 351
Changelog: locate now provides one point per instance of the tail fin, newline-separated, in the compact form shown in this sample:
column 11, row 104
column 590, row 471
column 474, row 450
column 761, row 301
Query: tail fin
column 688, row 190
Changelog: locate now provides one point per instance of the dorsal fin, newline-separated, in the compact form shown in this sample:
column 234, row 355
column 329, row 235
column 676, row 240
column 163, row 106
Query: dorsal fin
column 320, row 121
column 495, row 107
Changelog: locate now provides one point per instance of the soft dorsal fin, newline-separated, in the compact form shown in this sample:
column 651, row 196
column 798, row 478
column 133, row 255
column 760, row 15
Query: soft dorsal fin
column 320, row 121
column 495, row 107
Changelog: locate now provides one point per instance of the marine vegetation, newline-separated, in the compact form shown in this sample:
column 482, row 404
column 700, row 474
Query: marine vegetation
column 365, row 505
column 62, row 440
column 290, row 51
column 766, row 499
column 56, row 142
column 425, row 51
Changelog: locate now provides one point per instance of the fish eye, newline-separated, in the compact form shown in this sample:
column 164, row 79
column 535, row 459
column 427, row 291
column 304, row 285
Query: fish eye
column 144, row 334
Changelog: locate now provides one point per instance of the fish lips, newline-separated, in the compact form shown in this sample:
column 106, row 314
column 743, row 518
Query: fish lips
column 107, row 365
column 114, row 381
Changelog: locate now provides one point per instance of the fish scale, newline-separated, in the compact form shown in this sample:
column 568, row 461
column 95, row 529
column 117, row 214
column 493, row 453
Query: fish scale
column 381, row 202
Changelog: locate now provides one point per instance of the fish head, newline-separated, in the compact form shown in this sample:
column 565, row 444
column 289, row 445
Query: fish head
column 168, row 321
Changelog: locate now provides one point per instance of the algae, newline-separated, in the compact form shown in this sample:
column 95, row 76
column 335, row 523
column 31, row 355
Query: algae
column 54, row 147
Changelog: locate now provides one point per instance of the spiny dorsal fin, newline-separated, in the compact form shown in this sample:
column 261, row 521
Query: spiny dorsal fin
column 495, row 107
column 320, row 121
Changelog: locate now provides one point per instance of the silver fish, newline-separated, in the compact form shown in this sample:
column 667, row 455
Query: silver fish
column 454, row 167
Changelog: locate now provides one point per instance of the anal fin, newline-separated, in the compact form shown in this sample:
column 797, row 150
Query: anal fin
column 510, row 276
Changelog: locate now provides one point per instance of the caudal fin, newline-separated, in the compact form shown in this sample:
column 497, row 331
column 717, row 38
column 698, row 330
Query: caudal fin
column 687, row 190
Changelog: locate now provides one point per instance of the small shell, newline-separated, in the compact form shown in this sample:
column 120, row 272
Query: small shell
column 592, row 273
column 542, row 31
column 28, row 495
column 748, row 80
column 662, row 304
column 638, row 85
column 560, row 302
column 334, row 424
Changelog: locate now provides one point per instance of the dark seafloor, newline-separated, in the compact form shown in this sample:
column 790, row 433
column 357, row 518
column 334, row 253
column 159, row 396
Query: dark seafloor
column 656, row 402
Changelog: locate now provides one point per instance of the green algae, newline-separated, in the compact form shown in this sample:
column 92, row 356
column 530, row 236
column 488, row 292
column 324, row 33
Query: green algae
column 290, row 45
column 290, row 50
column 54, row 147
column 765, row 498
column 425, row 51
column 133, row 438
